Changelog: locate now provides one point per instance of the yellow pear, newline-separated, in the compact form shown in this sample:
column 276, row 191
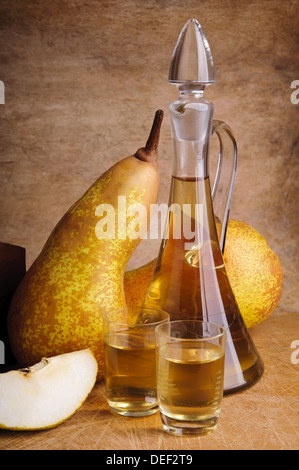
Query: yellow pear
column 79, row 273
column 136, row 283
column 254, row 272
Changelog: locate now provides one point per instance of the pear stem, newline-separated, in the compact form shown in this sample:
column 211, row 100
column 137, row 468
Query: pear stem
column 149, row 152
column 153, row 139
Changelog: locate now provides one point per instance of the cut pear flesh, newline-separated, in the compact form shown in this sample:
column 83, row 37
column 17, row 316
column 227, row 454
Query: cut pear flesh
column 47, row 393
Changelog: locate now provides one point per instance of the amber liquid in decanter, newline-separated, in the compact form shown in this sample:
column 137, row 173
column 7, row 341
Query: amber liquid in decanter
column 190, row 280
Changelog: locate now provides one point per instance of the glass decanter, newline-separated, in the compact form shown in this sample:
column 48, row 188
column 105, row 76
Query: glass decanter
column 190, row 280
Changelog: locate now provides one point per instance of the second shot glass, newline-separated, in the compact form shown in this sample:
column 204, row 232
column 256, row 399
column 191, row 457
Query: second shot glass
column 190, row 375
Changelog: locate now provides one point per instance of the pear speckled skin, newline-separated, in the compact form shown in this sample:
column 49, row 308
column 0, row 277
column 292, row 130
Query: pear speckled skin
column 59, row 304
column 254, row 271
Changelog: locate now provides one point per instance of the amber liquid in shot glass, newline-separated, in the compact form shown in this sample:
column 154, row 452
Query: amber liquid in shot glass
column 192, row 364
column 130, row 364
column 190, row 376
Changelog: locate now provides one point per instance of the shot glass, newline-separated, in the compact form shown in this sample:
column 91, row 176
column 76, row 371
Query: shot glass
column 130, row 360
column 190, row 375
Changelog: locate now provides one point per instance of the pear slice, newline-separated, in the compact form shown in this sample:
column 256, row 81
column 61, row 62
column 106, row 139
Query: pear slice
column 46, row 394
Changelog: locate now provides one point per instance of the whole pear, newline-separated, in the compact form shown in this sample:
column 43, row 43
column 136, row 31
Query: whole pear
column 78, row 275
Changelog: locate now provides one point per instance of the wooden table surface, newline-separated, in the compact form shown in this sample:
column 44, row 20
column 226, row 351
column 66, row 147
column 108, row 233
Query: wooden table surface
column 266, row 416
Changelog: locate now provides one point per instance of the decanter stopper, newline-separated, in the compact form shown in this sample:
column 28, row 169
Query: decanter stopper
column 192, row 61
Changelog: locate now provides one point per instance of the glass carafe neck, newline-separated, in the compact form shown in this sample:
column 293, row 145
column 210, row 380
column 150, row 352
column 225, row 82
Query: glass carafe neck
column 191, row 118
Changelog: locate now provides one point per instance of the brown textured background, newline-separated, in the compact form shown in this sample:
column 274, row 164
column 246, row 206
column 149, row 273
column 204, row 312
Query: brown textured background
column 82, row 82
column 83, row 79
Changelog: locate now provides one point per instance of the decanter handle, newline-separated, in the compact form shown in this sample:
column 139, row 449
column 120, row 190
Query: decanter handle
column 223, row 188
